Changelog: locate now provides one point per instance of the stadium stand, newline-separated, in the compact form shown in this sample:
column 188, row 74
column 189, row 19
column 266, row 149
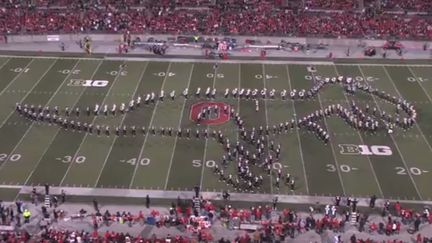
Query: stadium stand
column 219, row 17
column 331, row 4
column 266, row 222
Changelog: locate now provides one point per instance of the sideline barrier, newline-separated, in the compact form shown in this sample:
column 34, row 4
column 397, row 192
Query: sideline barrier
column 240, row 39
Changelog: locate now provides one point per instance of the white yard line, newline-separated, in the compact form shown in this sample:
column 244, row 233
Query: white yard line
column 86, row 134
column 32, row 124
column 429, row 98
column 8, row 59
column 206, row 141
column 58, row 130
column 147, row 134
column 298, row 134
column 176, row 138
column 13, row 80
column 384, row 64
column 361, row 139
column 267, row 124
column 420, row 83
column 331, row 144
column 28, row 129
column 115, row 138
column 394, row 141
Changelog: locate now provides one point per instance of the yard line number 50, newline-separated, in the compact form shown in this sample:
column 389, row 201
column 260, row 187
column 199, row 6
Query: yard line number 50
column 211, row 164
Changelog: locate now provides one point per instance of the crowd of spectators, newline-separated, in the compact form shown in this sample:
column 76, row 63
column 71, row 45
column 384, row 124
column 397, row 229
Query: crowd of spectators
column 408, row 5
column 218, row 17
column 270, row 222
column 256, row 22
column 331, row 4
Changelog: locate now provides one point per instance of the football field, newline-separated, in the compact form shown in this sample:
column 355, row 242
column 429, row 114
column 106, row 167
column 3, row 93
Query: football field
column 394, row 166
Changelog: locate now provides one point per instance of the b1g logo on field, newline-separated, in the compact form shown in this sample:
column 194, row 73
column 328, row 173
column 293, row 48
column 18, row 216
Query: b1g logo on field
column 214, row 118
column 88, row 83
column 352, row 149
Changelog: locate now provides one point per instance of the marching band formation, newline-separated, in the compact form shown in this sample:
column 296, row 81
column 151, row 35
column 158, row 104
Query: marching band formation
column 254, row 147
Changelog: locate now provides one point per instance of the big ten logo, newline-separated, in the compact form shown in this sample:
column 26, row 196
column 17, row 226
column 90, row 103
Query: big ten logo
column 88, row 83
column 352, row 149
column 216, row 113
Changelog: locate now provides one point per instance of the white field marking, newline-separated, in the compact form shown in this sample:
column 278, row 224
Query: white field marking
column 176, row 138
column 241, row 197
column 155, row 59
column 309, row 62
column 238, row 103
column 86, row 134
column 4, row 122
column 298, row 135
column 58, row 130
column 361, row 139
column 420, row 83
column 384, row 64
column 150, row 124
column 267, row 124
column 424, row 90
column 394, row 141
column 13, row 80
column 8, row 59
column 76, row 102
column 331, row 143
column 31, row 125
column 430, row 99
column 121, row 123
column 206, row 142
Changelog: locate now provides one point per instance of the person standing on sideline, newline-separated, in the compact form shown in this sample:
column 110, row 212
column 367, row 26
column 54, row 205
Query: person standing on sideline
column 96, row 205
column 147, row 201
column 372, row 201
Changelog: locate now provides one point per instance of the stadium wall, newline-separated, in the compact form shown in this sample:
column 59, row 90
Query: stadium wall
column 240, row 39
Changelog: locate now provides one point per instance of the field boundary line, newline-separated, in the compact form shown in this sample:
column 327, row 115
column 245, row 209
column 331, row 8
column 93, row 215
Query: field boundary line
column 297, row 132
column 213, row 196
column 384, row 64
column 362, row 140
column 32, row 124
column 58, row 130
column 331, row 143
column 150, row 124
column 392, row 138
column 206, row 140
column 310, row 61
column 178, row 126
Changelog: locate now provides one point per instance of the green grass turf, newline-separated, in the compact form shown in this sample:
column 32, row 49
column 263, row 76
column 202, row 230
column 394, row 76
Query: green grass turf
column 35, row 153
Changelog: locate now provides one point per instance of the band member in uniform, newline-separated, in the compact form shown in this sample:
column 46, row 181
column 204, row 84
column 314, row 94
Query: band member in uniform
column 172, row 95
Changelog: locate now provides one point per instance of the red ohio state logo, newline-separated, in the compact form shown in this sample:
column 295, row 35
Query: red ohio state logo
column 217, row 119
